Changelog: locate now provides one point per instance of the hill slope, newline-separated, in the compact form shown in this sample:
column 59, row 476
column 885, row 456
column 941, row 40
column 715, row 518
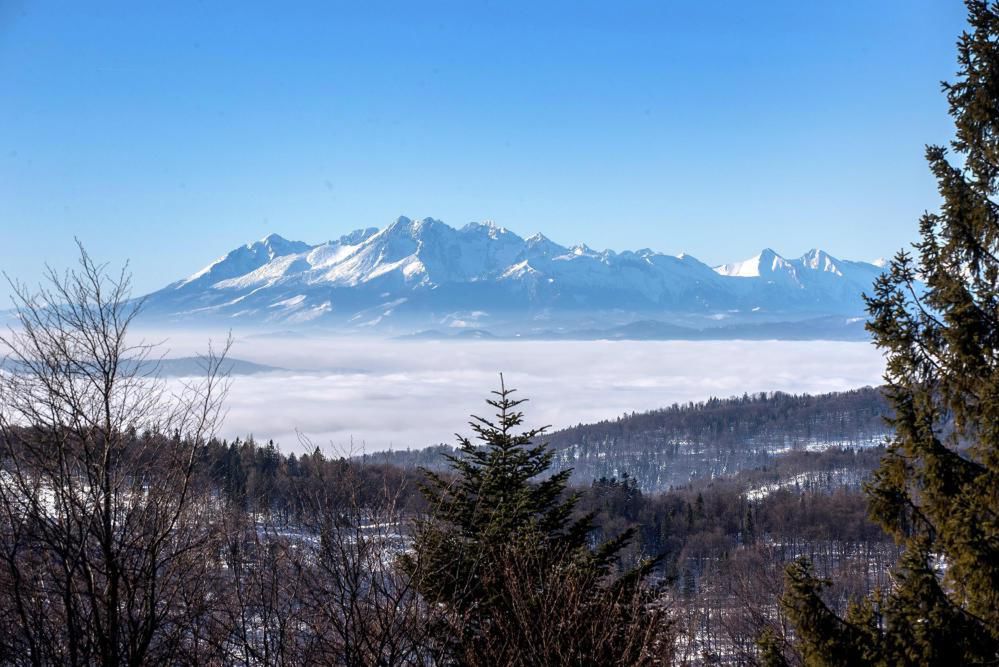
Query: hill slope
column 717, row 438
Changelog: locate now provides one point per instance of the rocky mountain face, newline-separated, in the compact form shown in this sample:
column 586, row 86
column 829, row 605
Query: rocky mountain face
column 417, row 274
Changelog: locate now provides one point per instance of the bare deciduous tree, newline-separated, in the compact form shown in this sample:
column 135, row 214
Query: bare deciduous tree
column 103, row 524
column 324, row 590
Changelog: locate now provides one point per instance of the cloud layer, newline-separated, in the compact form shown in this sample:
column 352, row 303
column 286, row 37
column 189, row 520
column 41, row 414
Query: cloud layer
column 414, row 394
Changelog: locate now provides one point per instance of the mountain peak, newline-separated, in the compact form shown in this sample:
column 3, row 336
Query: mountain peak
column 276, row 245
column 540, row 245
column 815, row 253
column 820, row 260
column 245, row 259
column 582, row 249
column 488, row 228
column 429, row 222
column 415, row 268
column 766, row 261
column 404, row 226
column 357, row 236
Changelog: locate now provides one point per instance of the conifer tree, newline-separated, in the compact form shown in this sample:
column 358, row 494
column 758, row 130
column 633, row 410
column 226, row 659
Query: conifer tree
column 936, row 315
column 508, row 562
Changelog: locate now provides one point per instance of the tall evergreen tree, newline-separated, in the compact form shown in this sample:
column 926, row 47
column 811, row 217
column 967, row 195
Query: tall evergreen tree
column 937, row 489
column 504, row 557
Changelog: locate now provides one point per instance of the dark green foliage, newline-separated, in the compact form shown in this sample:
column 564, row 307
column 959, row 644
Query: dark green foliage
column 824, row 638
column 260, row 479
column 771, row 651
column 511, row 567
column 937, row 489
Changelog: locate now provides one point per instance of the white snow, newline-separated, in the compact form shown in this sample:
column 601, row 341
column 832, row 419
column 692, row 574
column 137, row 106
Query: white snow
column 749, row 268
column 425, row 254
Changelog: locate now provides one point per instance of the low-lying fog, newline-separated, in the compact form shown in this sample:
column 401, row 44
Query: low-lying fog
column 349, row 395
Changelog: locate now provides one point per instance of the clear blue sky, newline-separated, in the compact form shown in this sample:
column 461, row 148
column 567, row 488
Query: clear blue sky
column 169, row 136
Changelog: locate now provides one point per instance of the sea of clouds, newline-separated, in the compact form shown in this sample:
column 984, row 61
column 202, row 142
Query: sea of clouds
column 350, row 395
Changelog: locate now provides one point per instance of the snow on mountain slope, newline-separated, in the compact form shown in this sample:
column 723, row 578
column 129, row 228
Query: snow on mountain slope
column 817, row 271
column 768, row 264
column 749, row 268
column 428, row 271
column 245, row 259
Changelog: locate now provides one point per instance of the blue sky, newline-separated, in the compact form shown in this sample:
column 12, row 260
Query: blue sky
column 169, row 135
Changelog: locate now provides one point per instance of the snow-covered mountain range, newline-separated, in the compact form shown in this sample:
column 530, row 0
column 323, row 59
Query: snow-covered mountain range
column 417, row 274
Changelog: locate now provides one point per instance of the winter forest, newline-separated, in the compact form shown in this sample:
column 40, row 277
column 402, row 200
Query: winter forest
column 166, row 510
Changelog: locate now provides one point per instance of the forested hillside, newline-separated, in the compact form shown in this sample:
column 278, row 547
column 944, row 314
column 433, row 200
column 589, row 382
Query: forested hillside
column 719, row 437
column 722, row 543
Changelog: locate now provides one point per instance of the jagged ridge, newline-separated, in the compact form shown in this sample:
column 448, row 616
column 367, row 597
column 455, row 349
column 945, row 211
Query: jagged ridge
column 427, row 271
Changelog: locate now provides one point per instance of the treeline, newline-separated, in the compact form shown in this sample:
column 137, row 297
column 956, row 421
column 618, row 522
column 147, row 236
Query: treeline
column 766, row 418
column 719, row 437
column 284, row 540
column 723, row 555
column 721, row 550
column 715, row 519
column 802, row 501
column 264, row 481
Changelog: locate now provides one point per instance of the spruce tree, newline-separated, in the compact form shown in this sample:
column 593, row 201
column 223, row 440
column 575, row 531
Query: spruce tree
column 936, row 315
column 508, row 564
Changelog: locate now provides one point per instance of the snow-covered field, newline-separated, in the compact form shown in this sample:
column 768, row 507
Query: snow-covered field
column 350, row 395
